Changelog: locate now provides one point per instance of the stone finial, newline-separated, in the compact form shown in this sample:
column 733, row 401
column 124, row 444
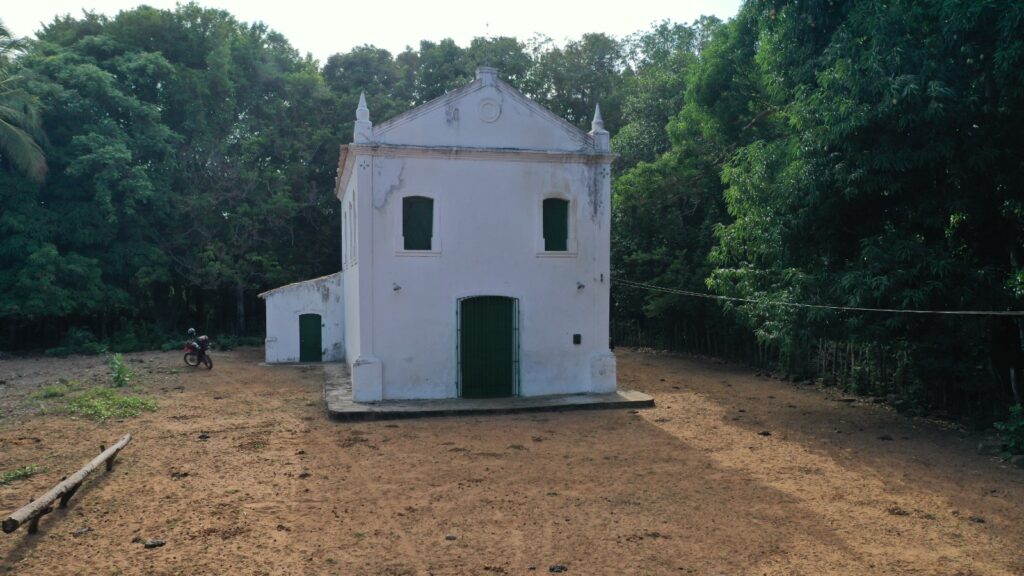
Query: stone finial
column 486, row 75
column 602, row 140
column 598, row 122
column 362, row 112
column 363, row 129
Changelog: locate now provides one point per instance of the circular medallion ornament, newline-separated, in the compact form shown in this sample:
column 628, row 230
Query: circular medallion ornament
column 489, row 109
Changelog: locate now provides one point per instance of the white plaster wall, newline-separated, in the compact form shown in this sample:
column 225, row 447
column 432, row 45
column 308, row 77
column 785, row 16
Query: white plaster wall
column 323, row 296
column 488, row 228
column 350, row 276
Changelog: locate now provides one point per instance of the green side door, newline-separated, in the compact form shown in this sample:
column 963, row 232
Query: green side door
column 488, row 347
column 310, row 338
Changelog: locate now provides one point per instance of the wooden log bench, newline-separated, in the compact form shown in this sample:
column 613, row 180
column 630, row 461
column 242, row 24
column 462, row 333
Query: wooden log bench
column 43, row 505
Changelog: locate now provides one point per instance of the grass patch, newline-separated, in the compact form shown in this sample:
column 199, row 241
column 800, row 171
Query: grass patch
column 59, row 390
column 100, row 403
column 105, row 403
column 19, row 474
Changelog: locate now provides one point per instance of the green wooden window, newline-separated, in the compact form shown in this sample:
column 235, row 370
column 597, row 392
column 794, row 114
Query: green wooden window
column 556, row 225
column 417, row 222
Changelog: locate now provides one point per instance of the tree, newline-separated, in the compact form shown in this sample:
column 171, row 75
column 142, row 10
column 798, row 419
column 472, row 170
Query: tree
column 661, row 59
column 440, row 68
column 189, row 151
column 571, row 80
column 369, row 70
column 21, row 133
column 507, row 54
column 893, row 185
column 666, row 211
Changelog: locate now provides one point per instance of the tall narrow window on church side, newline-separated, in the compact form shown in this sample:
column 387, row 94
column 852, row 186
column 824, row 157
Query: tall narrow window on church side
column 417, row 222
column 556, row 225
column 351, row 234
column 344, row 238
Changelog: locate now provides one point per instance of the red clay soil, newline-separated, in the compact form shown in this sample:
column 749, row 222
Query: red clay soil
column 689, row 487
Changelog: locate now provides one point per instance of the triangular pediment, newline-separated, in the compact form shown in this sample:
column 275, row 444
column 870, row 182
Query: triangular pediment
column 487, row 113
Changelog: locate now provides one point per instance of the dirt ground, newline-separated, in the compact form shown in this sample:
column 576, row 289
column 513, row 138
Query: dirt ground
column 693, row 486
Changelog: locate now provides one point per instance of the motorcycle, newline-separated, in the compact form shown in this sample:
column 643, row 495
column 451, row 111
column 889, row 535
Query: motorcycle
column 196, row 352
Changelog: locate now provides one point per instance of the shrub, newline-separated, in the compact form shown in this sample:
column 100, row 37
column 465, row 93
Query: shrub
column 82, row 341
column 1013, row 429
column 230, row 342
column 77, row 341
column 172, row 345
column 135, row 337
column 120, row 373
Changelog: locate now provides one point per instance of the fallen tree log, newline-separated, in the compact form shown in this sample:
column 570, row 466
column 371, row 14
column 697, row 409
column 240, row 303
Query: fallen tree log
column 65, row 490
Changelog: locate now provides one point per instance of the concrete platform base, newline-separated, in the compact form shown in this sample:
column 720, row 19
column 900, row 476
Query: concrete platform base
column 340, row 406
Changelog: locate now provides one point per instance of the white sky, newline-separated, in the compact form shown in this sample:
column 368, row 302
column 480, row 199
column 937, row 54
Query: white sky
column 324, row 28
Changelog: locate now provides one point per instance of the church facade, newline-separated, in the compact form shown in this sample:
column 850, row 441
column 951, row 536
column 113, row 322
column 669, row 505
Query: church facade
column 475, row 253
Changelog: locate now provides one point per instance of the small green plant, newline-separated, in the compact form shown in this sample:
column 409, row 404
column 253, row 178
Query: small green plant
column 58, row 390
column 120, row 373
column 103, row 403
column 19, row 474
column 1013, row 429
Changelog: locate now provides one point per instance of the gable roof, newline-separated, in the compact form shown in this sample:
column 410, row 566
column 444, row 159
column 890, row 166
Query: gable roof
column 272, row 291
column 486, row 113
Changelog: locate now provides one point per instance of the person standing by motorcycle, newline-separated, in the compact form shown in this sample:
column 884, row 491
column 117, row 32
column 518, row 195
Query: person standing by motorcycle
column 198, row 346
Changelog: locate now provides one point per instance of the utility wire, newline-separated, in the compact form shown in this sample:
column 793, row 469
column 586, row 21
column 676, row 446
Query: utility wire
column 640, row 285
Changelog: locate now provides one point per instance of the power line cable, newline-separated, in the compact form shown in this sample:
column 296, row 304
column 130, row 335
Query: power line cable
column 640, row 285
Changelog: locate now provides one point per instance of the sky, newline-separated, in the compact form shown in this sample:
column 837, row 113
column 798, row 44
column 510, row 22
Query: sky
column 327, row 27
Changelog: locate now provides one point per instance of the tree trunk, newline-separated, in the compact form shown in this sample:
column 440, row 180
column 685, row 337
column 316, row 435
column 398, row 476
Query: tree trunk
column 240, row 308
column 1016, row 356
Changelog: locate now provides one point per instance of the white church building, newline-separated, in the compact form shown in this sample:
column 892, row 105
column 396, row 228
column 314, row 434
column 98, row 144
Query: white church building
column 475, row 255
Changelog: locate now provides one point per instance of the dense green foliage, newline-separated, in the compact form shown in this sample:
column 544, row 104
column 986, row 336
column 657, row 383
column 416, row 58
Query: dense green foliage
column 187, row 170
column 1013, row 429
column 20, row 129
column 867, row 156
column 192, row 159
column 837, row 152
